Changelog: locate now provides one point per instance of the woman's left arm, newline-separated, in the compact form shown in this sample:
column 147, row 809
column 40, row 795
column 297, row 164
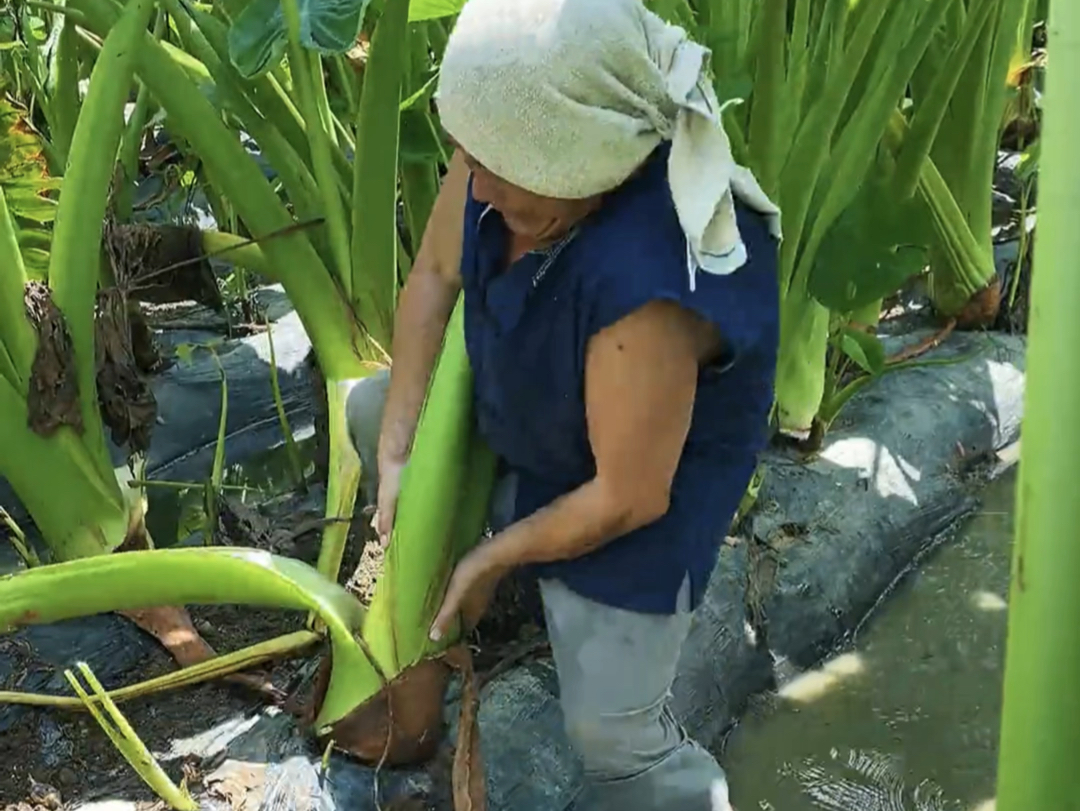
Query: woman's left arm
column 640, row 382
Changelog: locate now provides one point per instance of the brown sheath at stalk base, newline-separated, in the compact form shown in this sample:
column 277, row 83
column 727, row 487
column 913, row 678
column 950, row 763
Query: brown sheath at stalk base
column 982, row 308
column 401, row 725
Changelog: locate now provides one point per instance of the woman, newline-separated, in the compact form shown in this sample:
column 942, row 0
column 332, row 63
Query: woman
column 621, row 312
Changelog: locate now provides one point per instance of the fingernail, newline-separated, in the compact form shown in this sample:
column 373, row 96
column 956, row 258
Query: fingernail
column 435, row 634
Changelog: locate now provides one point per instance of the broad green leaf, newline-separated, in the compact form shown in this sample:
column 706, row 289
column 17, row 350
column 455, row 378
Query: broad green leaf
column 873, row 247
column 257, row 38
column 864, row 348
column 420, row 10
column 23, row 173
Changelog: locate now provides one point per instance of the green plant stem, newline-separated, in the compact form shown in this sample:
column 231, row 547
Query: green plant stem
column 127, row 741
column 203, row 576
column 273, row 649
column 73, row 265
column 236, row 249
column 283, row 419
column 304, row 66
column 18, row 540
column 1040, row 725
column 63, row 88
column 133, row 136
column 375, row 175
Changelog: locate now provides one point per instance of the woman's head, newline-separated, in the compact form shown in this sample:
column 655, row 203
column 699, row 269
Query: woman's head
column 526, row 214
column 557, row 102
column 554, row 101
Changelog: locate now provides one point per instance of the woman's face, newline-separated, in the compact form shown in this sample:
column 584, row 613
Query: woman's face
column 527, row 215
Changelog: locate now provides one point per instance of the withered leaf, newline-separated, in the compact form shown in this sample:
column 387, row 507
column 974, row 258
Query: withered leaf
column 53, row 396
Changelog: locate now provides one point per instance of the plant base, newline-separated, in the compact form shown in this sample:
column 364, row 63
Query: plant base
column 401, row 725
column 982, row 308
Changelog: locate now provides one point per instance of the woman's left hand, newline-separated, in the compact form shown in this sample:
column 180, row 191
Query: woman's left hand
column 471, row 588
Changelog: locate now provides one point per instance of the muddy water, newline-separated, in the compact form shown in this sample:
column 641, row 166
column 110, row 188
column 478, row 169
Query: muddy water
column 907, row 719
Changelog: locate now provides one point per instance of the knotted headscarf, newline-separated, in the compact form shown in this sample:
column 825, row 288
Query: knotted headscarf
column 567, row 98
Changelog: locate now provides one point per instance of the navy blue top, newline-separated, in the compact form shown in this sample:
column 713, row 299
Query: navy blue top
column 526, row 332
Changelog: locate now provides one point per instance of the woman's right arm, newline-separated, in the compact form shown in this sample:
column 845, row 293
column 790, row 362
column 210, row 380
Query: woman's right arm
column 424, row 307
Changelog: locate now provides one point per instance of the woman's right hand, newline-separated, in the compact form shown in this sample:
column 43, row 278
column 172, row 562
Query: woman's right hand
column 386, row 499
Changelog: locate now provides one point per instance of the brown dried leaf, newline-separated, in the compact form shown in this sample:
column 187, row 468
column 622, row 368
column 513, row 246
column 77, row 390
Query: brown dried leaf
column 53, row 396
column 127, row 403
column 467, row 776
column 161, row 264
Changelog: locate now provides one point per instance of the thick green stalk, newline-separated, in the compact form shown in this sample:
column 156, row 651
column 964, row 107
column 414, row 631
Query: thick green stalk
column 933, row 107
column 17, row 340
column 375, row 167
column 419, row 179
column 765, row 136
column 266, row 92
column 319, row 135
column 966, row 149
column 1040, row 729
column 419, row 188
column 800, row 370
column 63, row 89
column 92, row 517
column 342, row 485
column 76, row 246
column 133, row 136
column 810, row 150
column 300, row 185
column 203, row 576
column 238, row 250
column 891, row 67
column 441, row 512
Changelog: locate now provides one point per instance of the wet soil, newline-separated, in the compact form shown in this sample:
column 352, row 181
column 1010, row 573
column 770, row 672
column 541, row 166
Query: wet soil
column 68, row 751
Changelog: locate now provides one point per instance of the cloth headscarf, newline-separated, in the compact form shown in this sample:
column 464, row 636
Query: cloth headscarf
column 567, row 98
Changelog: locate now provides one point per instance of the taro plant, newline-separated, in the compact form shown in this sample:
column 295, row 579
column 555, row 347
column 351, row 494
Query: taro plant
column 49, row 382
column 965, row 286
column 58, row 365
column 341, row 271
column 822, row 85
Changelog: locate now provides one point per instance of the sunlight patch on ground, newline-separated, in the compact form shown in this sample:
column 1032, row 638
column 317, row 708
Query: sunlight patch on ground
column 889, row 475
column 988, row 601
column 214, row 739
column 813, row 684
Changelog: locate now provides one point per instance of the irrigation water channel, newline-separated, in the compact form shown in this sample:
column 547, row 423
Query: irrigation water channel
column 907, row 718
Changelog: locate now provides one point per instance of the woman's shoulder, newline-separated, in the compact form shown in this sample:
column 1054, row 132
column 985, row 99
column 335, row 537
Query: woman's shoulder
column 635, row 237
column 637, row 252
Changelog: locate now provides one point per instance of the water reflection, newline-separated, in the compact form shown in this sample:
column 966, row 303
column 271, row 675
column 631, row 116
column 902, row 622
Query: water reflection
column 907, row 720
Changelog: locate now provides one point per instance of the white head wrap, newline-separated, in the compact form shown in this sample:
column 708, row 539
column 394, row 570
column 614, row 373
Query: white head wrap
column 566, row 98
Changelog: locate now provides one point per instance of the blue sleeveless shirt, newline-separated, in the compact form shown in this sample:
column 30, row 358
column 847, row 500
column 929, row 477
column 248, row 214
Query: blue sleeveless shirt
column 526, row 331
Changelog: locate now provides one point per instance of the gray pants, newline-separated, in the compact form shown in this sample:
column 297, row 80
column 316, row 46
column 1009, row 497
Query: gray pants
column 615, row 671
